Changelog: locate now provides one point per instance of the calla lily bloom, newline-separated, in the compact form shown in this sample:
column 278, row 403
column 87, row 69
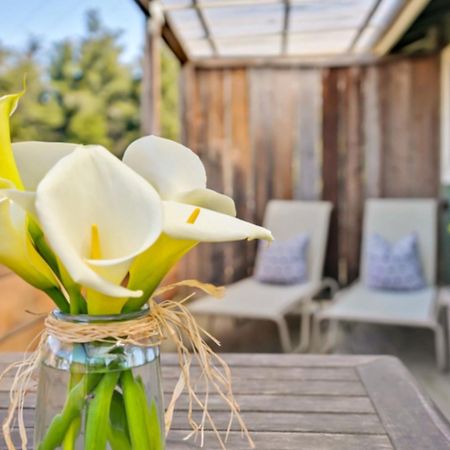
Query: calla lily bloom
column 17, row 251
column 34, row 159
column 192, row 213
column 183, row 221
column 90, row 199
column 18, row 254
column 8, row 168
column 176, row 172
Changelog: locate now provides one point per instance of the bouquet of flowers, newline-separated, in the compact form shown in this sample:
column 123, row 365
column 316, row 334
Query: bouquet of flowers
column 98, row 235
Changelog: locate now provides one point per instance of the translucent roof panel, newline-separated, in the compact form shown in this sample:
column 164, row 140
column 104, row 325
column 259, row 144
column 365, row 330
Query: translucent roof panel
column 311, row 44
column 249, row 46
column 271, row 28
column 188, row 24
column 320, row 16
column 200, row 48
column 234, row 21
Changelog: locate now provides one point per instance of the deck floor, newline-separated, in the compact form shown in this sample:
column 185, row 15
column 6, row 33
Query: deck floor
column 413, row 346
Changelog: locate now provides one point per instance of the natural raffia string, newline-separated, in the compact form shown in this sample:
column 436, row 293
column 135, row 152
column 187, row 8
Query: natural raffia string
column 167, row 320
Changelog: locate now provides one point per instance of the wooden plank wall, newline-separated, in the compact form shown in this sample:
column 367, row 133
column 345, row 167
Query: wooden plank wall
column 22, row 312
column 341, row 134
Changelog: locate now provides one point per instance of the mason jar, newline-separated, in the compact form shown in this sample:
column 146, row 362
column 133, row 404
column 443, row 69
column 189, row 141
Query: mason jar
column 101, row 394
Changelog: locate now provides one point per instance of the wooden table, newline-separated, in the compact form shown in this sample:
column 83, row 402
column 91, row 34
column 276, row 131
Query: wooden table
column 308, row 402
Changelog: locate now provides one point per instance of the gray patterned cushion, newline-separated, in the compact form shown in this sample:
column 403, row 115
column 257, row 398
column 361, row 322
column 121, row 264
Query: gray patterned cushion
column 283, row 262
column 394, row 266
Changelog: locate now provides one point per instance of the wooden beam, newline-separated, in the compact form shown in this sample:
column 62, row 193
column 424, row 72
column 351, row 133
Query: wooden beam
column 151, row 80
column 364, row 25
column 168, row 34
column 398, row 27
column 170, row 37
column 285, row 33
column 206, row 27
column 284, row 61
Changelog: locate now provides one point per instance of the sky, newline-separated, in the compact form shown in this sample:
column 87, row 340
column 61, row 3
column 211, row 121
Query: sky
column 53, row 20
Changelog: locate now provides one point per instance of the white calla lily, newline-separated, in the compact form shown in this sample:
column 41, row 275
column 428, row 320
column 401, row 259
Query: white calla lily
column 34, row 159
column 171, row 168
column 176, row 172
column 207, row 198
column 24, row 199
column 183, row 221
column 192, row 213
column 91, row 190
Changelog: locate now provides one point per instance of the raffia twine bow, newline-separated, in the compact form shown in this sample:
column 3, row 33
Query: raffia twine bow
column 167, row 320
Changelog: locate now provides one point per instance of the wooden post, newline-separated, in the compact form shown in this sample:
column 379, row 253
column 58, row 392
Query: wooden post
column 151, row 79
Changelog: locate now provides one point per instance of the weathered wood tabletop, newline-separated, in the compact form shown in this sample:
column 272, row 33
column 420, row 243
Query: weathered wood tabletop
column 305, row 402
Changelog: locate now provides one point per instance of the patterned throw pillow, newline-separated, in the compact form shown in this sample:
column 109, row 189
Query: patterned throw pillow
column 283, row 262
column 394, row 266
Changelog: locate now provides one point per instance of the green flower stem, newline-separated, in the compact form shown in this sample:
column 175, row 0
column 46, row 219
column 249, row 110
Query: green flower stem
column 74, row 428
column 70, row 439
column 97, row 420
column 133, row 407
column 118, row 439
column 57, row 296
column 118, row 435
column 41, row 245
column 152, row 425
column 73, row 406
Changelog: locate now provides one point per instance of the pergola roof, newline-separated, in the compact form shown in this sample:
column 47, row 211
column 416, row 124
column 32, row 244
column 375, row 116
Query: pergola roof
column 308, row 29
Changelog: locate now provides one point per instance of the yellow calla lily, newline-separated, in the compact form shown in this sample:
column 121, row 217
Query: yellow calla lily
column 18, row 253
column 8, row 168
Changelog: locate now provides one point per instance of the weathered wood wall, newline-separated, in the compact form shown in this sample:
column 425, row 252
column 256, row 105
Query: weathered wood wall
column 21, row 312
column 341, row 134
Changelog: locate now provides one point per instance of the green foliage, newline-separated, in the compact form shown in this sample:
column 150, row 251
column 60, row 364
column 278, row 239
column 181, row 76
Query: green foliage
column 85, row 93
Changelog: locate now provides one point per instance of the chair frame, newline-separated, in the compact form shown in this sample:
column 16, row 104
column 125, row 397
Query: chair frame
column 432, row 322
column 304, row 305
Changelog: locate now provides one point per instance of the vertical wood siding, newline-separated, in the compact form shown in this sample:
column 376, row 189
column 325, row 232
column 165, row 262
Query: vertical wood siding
column 341, row 134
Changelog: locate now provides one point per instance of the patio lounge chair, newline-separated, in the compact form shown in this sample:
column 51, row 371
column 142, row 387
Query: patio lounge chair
column 392, row 219
column 251, row 299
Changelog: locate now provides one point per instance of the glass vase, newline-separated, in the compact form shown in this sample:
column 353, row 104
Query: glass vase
column 99, row 395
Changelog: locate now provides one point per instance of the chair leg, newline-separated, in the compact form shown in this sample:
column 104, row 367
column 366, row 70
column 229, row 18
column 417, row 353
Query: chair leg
column 305, row 329
column 447, row 312
column 332, row 333
column 283, row 331
column 307, row 312
column 331, row 336
column 439, row 343
column 316, row 343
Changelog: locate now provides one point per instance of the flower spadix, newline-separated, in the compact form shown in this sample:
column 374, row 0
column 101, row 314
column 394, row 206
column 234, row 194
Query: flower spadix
column 90, row 198
column 176, row 172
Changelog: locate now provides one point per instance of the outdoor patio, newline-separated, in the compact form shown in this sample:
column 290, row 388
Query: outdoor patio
column 328, row 124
